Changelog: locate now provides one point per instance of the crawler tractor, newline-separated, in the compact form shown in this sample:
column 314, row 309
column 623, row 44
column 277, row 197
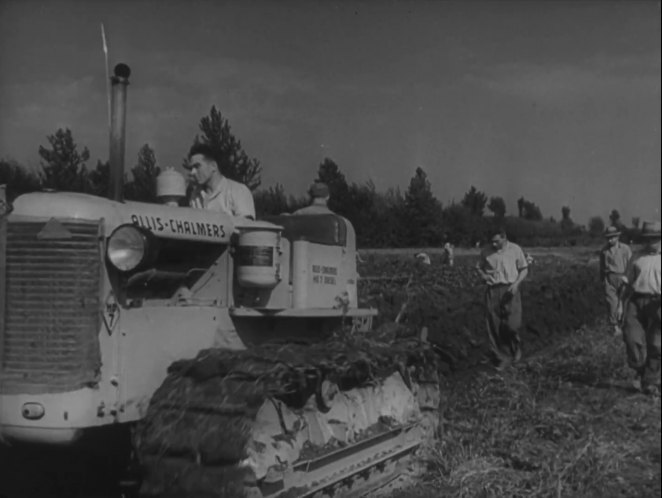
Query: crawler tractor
column 234, row 350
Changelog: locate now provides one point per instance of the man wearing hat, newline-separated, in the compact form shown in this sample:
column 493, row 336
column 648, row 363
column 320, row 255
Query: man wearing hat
column 641, row 330
column 319, row 195
column 614, row 259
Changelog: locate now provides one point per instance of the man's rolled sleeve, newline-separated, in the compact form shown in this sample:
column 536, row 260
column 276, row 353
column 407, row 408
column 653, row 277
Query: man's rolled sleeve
column 521, row 262
column 243, row 202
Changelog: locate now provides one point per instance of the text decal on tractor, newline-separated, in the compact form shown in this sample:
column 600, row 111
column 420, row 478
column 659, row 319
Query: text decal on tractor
column 179, row 226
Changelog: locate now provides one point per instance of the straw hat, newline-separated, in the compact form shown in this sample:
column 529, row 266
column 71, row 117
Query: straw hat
column 612, row 231
column 651, row 229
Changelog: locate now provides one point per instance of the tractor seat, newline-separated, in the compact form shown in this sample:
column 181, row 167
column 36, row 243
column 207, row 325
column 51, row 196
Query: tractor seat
column 326, row 229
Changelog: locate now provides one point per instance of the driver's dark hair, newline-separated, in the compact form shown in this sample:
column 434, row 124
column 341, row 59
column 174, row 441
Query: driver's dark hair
column 204, row 150
column 498, row 230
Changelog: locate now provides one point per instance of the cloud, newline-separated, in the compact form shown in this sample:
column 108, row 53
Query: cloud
column 564, row 85
column 250, row 81
column 33, row 110
column 68, row 98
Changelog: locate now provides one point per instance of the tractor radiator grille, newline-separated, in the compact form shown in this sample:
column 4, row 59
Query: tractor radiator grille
column 49, row 331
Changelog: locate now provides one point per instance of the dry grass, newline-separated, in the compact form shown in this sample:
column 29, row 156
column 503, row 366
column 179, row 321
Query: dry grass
column 565, row 423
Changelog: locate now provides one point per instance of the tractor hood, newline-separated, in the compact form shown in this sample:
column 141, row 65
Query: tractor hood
column 163, row 221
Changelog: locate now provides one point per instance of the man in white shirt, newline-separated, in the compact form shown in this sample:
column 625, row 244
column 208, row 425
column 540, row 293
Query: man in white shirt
column 614, row 259
column 216, row 192
column 641, row 330
column 448, row 254
column 503, row 267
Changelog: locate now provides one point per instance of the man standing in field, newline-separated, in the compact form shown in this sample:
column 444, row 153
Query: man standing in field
column 448, row 253
column 642, row 313
column 503, row 267
column 614, row 259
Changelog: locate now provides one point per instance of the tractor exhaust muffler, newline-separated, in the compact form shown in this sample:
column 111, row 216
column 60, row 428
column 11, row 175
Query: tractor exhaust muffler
column 119, row 82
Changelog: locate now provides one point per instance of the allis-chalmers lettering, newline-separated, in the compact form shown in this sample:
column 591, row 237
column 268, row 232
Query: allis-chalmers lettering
column 184, row 227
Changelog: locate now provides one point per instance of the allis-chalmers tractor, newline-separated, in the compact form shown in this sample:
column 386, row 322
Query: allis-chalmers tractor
column 234, row 350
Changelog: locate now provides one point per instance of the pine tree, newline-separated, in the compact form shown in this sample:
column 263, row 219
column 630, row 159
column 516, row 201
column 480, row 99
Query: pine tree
column 19, row 180
column 63, row 166
column 142, row 186
column 99, row 179
column 475, row 200
column 596, row 226
column 272, row 201
column 615, row 219
column 232, row 161
column 567, row 224
column 422, row 212
column 498, row 207
column 329, row 173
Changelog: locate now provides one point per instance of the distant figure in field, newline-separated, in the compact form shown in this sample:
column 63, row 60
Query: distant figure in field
column 448, row 254
column 614, row 259
column 319, row 200
column 503, row 268
column 641, row 329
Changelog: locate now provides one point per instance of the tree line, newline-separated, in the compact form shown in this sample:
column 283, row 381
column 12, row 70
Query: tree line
column 413, row 218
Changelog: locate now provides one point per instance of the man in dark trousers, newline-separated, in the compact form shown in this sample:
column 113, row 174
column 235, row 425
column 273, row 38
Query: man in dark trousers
column 503, row 267
column 614, row 259
column 641, row 330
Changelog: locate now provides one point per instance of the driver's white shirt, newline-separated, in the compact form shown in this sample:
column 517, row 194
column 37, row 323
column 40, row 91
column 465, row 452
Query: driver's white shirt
column 228, row 197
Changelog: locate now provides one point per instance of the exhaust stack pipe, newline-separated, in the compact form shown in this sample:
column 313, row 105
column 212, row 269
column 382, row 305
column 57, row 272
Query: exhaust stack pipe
column 119, row 81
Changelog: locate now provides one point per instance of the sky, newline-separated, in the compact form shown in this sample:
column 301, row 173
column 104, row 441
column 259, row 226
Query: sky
column 557, row 101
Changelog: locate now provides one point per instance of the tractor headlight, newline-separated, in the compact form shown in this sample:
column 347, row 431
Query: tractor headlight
column 127, row 247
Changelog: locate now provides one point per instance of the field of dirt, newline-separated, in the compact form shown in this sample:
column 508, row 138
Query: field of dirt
column 560, row 294
column 564, row 422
